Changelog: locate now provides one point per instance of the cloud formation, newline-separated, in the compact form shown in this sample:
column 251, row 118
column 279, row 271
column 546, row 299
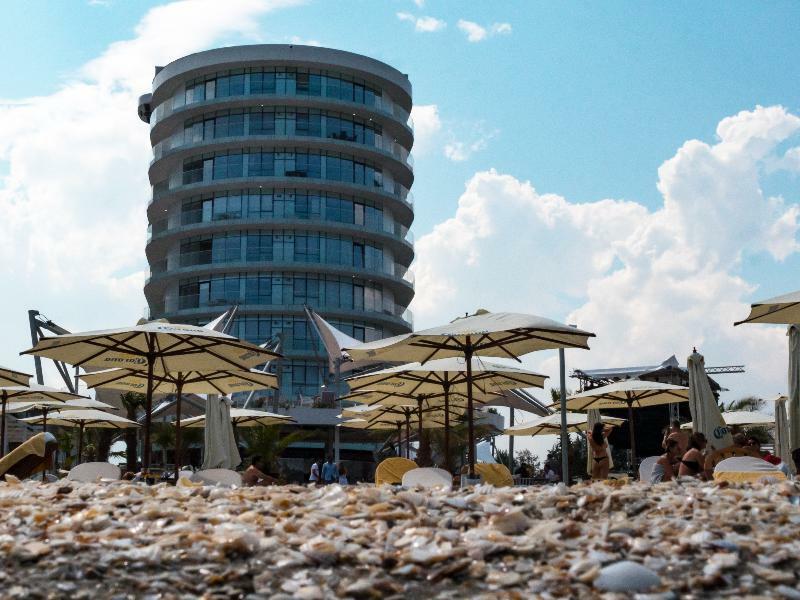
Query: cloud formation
column 649, row 283
column 478, row 33
column 459, row 150
column 72, row 205
column 423, row 24
column 427, row 126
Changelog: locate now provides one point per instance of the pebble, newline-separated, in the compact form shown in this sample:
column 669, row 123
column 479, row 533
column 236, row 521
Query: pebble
column 626, row 576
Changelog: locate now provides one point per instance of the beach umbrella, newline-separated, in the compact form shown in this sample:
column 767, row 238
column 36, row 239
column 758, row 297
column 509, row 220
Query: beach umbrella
column 706, row 416
column 27, row 395
column 782, row 441
column 151, row 347
column 10, row 377
column 785, row 310
column 631, row 394
column 221, row 450
column 245, row 417
column 551, row 424
column 506, row 335
column 364, row 424
column 446, row 376
column 222, row 381
column 47, row 405
column 82, row 419
column 741, row 418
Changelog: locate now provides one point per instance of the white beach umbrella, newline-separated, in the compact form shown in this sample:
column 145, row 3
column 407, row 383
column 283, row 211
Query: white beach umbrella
column 782, row 439
column 10, row 377
column 551, row 424
column 153, row 347
column 245, row 417
column 781, row 310
column 741, row 418
column 706, row 416
column 507, row 335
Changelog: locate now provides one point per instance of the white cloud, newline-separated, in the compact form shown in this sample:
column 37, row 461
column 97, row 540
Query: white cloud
column 295, row 39
column 649, row 283
column 419, row 3
column 461, row 150
column 478, row 33
column 422, row 24
column 75, row 189
column 427, row 126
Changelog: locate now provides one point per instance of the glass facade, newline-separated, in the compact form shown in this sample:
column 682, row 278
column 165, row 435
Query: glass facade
column 321, row 259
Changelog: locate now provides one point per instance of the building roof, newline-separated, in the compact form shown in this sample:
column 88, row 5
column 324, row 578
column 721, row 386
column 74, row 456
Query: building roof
column 609, row 375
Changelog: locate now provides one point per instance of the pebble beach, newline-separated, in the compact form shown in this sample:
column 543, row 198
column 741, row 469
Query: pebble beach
column 123, row 540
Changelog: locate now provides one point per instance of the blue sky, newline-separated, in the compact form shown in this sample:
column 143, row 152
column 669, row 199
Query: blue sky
column 652, row 106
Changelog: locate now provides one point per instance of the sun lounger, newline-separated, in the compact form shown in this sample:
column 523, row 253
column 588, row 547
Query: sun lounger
column 220, row 477
column 746, row 468
column 427, row 478
column 392, row 470
column 94, row 471
column 646, row 468
column 495, row 474
column 32, row 456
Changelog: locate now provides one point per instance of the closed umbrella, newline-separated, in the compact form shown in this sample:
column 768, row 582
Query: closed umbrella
column 82, row 419
column 222, row 381
column 782, row 438
column 27, row 395
column 153, row 347
column 630, row 394
column 506, row 335
column 706, row 416
column 221, row 451
column 592, row 417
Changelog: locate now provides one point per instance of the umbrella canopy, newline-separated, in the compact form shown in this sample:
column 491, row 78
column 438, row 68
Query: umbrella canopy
column 508, row 335
column 741, row 417
column 782, row 446
column 92, row 418
column 10, row 377
column 225, row 381
column 551, row 424
column 781, row 310
column 631, row 393
column 47, row 405
column 706, row 416
column 221, row 450
column 244, row 417
column 29, row 394
column 167, row 347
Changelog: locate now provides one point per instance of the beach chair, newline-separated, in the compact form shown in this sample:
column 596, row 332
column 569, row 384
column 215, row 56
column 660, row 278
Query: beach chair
column 392, row 470
column 94, row 471
column 730, row 452
column 32, row 456
column 746, row 468
column 220, row 477
column 427, row 477
column 495, row 474
column 646, row 468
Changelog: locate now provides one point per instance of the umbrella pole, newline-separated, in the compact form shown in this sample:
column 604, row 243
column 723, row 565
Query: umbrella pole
column 447, row 426
column 3, row 427
column 80, row 442
column 148, row 409
column 179, row 393
column 408, row 435
column 419, row 418
column 399, row 439
column 511, row 441
column 562, row 368
column 470, row 414
column 633, row 435
column 44, row 430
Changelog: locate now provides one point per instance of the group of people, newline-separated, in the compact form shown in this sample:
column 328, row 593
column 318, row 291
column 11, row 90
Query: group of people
column 328, row 472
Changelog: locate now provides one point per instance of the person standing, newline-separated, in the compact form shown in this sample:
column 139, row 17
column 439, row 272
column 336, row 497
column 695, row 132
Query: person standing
column 330, row 474
column 598, row 446
column 676, row 433
column 342, row 474
column 314, row 476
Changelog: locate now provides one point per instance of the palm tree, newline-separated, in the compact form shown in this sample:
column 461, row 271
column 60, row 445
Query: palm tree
column 163, row 434
column 132, row 402
column 269, row 443
column 66, row 443
column 748, row 403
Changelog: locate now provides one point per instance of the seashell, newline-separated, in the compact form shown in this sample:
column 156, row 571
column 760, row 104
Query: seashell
column 512, row 522
column 626, row 576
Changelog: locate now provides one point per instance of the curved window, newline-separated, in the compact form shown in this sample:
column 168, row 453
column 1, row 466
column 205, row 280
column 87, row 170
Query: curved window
column 281, row 246
column 281, row 81
column 283, row 204
column 328, row 291
column 282, row 121
column 282, row 163
column 295, row 330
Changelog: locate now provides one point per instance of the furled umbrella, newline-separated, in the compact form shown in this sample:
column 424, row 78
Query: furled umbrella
column 506, row 335
column 785, row 310
column 446, row 376
column 82, row 419
column 151, row 347
column 706, row 416
column 223, row 381
column 782, row 447
column 28, row 395
column 630, row 394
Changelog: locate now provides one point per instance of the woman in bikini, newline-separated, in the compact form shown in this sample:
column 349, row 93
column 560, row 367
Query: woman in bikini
column 599, row 449
column 665, row 469
column 692, row 463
